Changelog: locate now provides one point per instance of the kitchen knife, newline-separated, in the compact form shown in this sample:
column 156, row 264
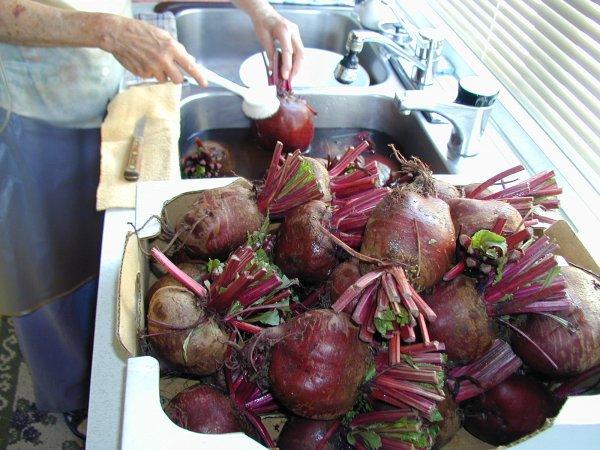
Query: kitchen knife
column 132, row 170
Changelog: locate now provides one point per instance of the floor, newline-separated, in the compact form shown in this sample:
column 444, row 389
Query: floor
column 22, row 426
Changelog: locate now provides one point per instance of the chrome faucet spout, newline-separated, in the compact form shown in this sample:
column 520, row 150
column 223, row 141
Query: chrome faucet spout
column 468, row 121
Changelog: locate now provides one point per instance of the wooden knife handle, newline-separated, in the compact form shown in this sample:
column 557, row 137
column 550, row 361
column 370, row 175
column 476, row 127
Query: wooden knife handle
column 132, row 170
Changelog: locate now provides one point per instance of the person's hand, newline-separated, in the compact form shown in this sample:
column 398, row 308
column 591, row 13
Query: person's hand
column 148, row 51
column 270, row 26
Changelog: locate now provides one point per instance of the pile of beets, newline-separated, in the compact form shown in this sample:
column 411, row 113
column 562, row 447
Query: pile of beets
column 372, row 316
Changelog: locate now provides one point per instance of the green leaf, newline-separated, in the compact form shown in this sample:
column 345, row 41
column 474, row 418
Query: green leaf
column 371, row 373
column 436, row 416
column 270, row 317
column 351, row 438
column 372, row 439
column 387, row 314
column 235, row 308
column 213, row 264
column 490, row 244
column 554, row 272
column 382, row 326
column 305, row 170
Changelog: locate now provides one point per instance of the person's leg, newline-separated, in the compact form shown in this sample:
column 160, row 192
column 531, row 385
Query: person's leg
column 56, row 343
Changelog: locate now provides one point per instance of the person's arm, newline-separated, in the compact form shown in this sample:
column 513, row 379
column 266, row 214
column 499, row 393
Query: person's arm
column 143, row 49
column 270, row 26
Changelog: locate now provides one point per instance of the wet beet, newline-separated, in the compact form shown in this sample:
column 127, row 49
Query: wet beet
column 462, row 322
column 220, row 220
column 414, row 231
column 318, row 350
column 302, row 249
column 299, row 433
column 204, row 409
column 471, row 215
column 573, row 352
column 513, row 409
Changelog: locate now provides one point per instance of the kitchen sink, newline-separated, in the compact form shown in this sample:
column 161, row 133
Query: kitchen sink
column 217, row 115
column 221, row 38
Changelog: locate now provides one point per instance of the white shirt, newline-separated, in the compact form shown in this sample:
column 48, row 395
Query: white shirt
column 64, row 86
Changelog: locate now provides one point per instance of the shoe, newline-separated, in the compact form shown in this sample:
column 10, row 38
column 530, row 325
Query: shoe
column 77, row 422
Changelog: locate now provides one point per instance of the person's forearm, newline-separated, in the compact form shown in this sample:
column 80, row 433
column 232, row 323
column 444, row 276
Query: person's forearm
column 254, row 8
column 25, row 22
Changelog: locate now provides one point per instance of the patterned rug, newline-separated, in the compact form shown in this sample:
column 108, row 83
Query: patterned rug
column 22, row 426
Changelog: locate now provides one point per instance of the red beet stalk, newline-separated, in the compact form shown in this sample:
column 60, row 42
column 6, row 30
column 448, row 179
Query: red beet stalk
column 191, row 284
column 290, row 182
column 495, row 366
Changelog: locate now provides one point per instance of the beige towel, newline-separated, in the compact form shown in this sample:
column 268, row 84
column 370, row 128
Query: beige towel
column 160, row 149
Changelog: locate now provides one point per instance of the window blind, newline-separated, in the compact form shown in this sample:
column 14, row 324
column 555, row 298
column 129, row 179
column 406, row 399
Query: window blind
column 547, row 55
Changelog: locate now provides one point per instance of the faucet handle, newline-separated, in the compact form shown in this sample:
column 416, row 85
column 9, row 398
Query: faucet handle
column 429, row 44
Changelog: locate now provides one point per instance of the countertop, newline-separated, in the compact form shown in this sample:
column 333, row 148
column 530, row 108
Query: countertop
column 107, row 387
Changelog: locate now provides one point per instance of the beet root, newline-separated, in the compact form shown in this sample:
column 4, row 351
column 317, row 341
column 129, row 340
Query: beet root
column 515, row 408
column 451, row 421
column 462, row 322
column 446, row 191
column 220, row 220
column 413, row 230
column 204, row 409
column 193, row 270
column 573, row 352
column 299, row 433
column 302, row 249
column 181, row 333
column 318, row 349
column 342, row 277
column 471, row 215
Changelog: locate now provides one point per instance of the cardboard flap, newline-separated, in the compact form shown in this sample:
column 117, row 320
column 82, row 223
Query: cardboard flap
column 570, row 247
column 130, row 295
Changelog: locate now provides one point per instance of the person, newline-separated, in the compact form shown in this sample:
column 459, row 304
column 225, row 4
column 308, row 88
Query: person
column 61, row 61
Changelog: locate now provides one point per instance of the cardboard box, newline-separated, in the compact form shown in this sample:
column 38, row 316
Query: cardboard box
column 146, row 426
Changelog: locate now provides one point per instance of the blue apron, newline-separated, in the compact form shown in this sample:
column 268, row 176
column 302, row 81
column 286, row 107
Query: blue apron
column 50, row 236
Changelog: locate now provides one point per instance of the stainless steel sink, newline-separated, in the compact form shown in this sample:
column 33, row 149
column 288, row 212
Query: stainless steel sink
column 218, row 110
column 222, row 38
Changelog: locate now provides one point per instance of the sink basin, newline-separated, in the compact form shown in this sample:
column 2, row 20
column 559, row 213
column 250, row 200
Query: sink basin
column 221, row 38
column 217, row 115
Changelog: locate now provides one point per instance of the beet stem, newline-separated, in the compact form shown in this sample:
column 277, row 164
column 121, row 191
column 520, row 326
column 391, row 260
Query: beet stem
column 196, row 288
column 486, row 184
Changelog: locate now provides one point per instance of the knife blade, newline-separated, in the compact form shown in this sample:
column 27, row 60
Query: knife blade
column 134, row 160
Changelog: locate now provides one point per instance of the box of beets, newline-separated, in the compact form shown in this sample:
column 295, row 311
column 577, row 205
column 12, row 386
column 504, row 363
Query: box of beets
column 291, row 332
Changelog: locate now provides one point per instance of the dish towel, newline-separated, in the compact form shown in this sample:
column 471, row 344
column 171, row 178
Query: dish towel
column 160, row 151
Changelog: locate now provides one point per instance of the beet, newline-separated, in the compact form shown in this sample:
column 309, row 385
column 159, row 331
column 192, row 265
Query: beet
column 471, row 215
column 292, row 124
column 207, row 159
column 220, row 220
column 450, row 423
column 462, row 322
column 515, row 408
column 302, row 249
column 204, row 409
column 573, row 352
column 318, row 365
column 410, row 229
column 342, row 277
column 193, row 270
column 181, row 333
column 446, row 191
column 299, row 433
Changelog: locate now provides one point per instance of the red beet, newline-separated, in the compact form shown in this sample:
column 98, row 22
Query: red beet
column 446, row 191
column 318, row 365
column 513, row 409
column 299, row 433
column 450, row 423
column 292, row 124
column 471, row 215
column 220, row 220
column 204, row 409
column 302, row 249
column 414, row 231
column 573, row 352
column 181, row 333
column 342, row 277
column 462, row 322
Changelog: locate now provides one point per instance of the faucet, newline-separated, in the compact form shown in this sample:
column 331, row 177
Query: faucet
column 468, row 121
column 424, row 55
